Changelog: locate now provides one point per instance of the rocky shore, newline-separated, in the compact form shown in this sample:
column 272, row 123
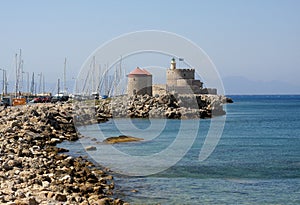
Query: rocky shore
column 34, row 171
column 144, row 106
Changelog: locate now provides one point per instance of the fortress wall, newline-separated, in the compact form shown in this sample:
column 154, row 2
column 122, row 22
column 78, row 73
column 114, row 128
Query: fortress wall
column 159, row 89
column 197, row 83
column 186, row 73
column 212, row 91
column 184, row 90
column 172, row 77
column 184, row 82
column 176, row 74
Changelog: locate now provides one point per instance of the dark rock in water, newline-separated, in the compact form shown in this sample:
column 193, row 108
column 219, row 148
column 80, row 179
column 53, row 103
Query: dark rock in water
column 90, row 148
column 229, row 100
column 60, row 150
column 121, row 139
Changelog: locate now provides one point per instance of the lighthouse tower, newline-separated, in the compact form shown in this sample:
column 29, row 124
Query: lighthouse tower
column 173, row 64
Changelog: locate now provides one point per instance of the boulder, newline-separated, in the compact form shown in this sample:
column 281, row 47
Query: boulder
column 121, row 139
column 90, row 148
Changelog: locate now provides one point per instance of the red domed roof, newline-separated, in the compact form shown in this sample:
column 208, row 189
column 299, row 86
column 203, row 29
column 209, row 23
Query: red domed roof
column 147, row 72
column 138, row 71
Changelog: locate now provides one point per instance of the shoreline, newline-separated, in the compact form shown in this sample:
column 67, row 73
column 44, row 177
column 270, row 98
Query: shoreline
column 34, row 171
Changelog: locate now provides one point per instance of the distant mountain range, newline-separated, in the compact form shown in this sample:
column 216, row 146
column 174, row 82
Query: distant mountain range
column 242, row 85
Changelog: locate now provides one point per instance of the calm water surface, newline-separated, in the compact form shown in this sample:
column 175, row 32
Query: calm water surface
column 257, row 160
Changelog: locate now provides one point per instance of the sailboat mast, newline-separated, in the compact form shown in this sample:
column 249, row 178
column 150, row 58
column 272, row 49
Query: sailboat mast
column 93, row 71
column 18, row 71
column 16, row 83
column 5, row 88
column 43, row 84
column 32, row 84
column 65, row 67
column 40, row 84
column 58, row 86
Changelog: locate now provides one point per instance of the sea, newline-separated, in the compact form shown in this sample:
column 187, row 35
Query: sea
column 249, row 156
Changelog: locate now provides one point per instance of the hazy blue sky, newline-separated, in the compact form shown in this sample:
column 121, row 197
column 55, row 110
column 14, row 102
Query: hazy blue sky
column 257, row 39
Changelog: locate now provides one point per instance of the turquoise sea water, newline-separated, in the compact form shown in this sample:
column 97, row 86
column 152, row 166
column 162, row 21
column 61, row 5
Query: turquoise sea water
column 257, row 160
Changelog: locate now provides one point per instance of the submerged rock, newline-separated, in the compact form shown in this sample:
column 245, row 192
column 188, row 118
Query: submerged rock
column 90, row 148
column 121, row 139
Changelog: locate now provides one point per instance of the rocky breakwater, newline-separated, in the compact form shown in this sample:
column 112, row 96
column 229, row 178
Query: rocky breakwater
column 91, row 112
column 34, row 171
column 167, row 106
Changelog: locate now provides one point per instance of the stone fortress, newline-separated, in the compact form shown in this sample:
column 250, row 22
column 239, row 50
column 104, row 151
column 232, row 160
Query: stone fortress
column 180, row 81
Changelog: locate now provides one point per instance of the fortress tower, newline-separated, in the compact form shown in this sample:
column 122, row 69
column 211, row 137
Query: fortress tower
column 182, row 80
column 139, row 82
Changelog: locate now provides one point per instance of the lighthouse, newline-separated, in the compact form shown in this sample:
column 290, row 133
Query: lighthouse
column 173, row 64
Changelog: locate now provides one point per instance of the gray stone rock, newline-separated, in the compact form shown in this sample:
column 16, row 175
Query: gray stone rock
column 90, row 148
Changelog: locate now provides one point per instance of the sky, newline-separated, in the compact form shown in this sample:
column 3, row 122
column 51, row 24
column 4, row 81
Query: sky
column 253, row 42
